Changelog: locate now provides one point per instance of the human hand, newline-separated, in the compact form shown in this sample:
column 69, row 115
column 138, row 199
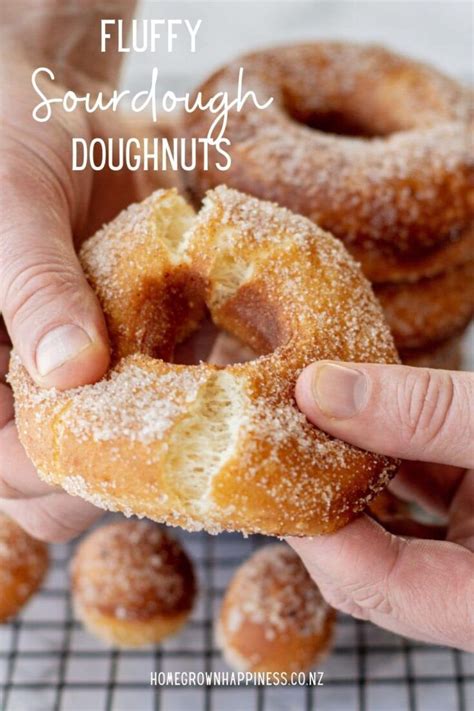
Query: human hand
column 51, row 314
column 419, row 588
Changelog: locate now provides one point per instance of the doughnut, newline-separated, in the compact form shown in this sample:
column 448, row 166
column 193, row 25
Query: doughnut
column 446, row 355
column 202, row 446
column 430, row 310
column 132, row 584
column 382, row 264
column 273, row 617
column 370, row 145
column 23, row 566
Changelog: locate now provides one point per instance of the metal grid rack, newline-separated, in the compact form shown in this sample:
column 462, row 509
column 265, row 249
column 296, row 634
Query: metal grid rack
column 49, row 663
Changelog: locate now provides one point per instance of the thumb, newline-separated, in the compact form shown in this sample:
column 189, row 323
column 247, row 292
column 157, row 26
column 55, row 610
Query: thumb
column 52, row 315
column 413, row 413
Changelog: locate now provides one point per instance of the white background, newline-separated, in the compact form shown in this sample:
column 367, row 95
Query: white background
column 436, row 32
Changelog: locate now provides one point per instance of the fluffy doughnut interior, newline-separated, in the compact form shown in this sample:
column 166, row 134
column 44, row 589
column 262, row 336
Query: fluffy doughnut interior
column 205, row 439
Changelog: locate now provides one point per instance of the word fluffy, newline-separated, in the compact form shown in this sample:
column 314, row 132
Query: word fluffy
column 146, row 35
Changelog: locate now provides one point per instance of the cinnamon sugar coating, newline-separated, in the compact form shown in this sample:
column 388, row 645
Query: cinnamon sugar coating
column 273, row 616
column 401, row 171
column 23, row 565
column 423, row 313
column 132, row 570
column 200, row 446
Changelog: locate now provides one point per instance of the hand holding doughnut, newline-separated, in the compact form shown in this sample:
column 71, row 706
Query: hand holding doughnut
column 419, row 588
column 202, row 446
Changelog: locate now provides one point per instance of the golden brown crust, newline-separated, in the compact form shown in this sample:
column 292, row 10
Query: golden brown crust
column 132, row 581
column 382, row 264
column 408, row 184
column 131, row 633
column 23, row 566
column 273, row 617
column 430, row 310
column 201, row 446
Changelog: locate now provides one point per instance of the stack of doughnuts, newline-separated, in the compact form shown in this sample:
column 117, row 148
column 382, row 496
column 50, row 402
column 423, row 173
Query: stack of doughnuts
column 377, row 149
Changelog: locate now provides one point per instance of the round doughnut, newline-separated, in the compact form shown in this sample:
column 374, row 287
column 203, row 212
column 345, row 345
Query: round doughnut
column 273, row 617
column 430, row 310
column 446, row 355
column 202, row 446
column 23, row 566
column 383, row 264
column 370, row 145
column 132, row 584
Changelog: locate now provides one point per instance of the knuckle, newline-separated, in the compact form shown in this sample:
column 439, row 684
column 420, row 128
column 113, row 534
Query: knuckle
column 7, row 491
column 370, row 597
column 424, row 403
column 33, row 288
column 341, row 599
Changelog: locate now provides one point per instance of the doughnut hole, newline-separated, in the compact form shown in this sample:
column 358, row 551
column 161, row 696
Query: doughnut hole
column 333, row 122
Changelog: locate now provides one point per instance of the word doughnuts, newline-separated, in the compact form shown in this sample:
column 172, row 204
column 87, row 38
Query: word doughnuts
column 200, row 446
column 132, row 584
column 273, row 617
column 370, row 145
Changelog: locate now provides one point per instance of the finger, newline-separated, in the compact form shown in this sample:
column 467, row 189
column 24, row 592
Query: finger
column 461, row 527
column 55, row 518
column 51, row 313
column 18, row 477
column 413, row 413
column 416, row 588
column 411, row 528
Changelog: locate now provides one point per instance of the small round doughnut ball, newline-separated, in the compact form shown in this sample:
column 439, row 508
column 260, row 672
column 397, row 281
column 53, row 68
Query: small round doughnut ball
column 23, row 565
column 273, row 617
column 132, row 584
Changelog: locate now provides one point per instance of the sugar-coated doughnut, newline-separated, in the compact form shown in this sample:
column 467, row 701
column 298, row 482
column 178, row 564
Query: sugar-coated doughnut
column 23, row 566
column 202, row 446
column 132, row 583
column 382, row 263
column 273, row 617
column 428, row 311
column 400, row 172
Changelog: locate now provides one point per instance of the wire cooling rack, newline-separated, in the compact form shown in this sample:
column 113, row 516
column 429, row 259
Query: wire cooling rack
column 48, row 662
